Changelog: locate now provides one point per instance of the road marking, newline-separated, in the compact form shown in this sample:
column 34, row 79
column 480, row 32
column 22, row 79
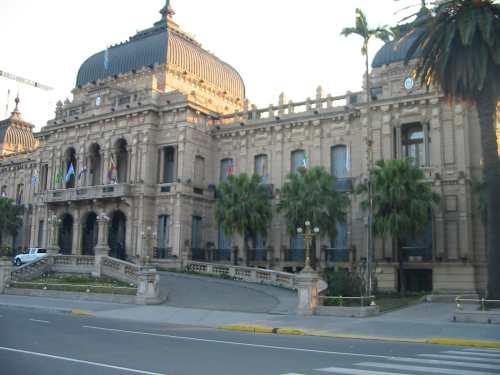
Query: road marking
column 462, row 357
column 482, row 350
column 433, row 370
column 352, row 371
column 40, row 321
column 80, row 361
column 489, row 355
column 237, row 343
column 440, row 362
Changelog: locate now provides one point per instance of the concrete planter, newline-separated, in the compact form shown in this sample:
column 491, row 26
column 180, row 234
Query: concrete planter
column 353, row 312
column 98, row 297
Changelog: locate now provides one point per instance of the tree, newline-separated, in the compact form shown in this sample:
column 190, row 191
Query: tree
column 459, row 44
column 309, row 194
column 11, row 217
column 243, row 206
column 402, row 201
column 364, row 31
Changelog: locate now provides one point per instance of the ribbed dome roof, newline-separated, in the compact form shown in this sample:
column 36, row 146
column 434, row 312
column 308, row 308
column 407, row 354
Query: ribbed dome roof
column 395, row 51
column 16, row 135
column 162, row 45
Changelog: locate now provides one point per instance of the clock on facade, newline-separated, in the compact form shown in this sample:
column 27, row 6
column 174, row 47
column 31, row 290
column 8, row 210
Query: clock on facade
column 98, row 101
column 409, row 83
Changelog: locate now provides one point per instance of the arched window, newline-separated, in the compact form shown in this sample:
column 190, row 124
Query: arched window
column 93, row 171
column 339, row 161
column 298, row 160
column 226, row 169
column 262, row 168
column 121, row 161
column 69, row 168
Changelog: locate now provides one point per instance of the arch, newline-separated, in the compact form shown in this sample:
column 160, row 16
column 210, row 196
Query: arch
column 117, row 234
column 89, row 234
column 69, row 172
column 121, row 153
column 66, row 234
column 95, row 165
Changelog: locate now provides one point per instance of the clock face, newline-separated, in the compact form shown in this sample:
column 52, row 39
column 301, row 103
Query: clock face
column 409, row 83
column 98, row 101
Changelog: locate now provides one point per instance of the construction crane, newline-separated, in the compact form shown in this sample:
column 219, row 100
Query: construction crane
column 24, row 81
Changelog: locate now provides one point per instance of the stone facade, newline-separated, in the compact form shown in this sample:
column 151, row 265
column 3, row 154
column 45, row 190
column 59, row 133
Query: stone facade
column 148, row 155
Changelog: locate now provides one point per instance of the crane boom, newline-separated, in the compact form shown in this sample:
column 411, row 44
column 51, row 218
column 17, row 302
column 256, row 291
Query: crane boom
column 25, row 81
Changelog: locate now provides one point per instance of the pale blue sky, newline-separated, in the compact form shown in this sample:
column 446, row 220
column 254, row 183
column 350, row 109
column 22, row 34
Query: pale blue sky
column 289, row 46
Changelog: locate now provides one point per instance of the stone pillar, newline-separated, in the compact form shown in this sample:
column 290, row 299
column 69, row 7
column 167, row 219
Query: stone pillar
column 53, row 235
column 5, row 268
column 148, row 290
column 308, row 288
column 102, row 247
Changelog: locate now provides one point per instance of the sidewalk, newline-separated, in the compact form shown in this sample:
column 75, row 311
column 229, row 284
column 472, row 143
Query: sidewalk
column 421, row 322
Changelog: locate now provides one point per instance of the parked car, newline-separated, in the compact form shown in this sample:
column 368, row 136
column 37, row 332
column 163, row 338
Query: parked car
column 31, row 255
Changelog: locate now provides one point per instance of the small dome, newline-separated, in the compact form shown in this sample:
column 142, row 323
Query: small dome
column 16, row 135
column 164, row 43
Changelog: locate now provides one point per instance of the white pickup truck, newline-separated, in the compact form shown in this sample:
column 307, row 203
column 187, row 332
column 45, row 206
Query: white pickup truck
column 33, row 253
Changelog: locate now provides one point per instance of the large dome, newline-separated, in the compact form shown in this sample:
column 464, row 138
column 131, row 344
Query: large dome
column 164, row 43
column 395, row 51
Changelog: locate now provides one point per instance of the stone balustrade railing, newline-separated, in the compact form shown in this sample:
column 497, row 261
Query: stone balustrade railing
column 247, row 274
column 146, row 279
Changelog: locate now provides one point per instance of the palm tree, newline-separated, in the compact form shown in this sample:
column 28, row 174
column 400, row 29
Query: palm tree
column 402, row 201
column 310, row 194
column 459, row 45
column 362, row 29
column 243, row 206
column 11, row 217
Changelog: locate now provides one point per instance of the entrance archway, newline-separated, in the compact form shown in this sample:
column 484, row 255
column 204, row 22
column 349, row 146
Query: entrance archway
column 66, row 234
column 117, row 235
column 89, row 234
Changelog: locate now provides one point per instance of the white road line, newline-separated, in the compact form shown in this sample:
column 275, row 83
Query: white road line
column 462, row 357
column 40, row 321
column 428, row 370
column 489, row 355
column 237, row 343
column 449, row 363
column 80, row 361
column 482, row 350
column 352, row 371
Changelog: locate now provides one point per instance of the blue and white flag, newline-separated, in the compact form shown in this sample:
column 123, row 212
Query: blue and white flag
column 34, row 178
column 106, row 59
column 305, row 161
column 71, row 172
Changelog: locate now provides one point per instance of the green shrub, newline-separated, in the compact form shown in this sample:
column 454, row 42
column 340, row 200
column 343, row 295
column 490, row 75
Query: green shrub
column 6, row 252
column 343, row 283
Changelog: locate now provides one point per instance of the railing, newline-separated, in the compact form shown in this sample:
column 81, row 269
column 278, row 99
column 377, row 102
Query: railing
column 258, row 255
column 248, row 274
column 416, row 254
column 481, row 301
column 162, row 252
column 119, row 269
column 86, row 193
column 343, row 184
column 341, row 300
column 212, row 255
column 73, row 263
column 335, row 255
column 31, row 270
column 293, row 255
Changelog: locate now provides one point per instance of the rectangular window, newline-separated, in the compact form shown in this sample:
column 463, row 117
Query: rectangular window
column 415, row 144
column 3, row 192
column 163, row 233
column 339, row 161
column 20, row 194
column 225, row 241
column 168, row 164
column 41, row 228
column 196, row 234
column 43, row 177
column 226, row 169
column 297, row 248
column 261, row 168
column 298, row 160
column 199, row 171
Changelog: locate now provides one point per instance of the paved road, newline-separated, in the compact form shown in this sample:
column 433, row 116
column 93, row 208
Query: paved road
column 44, row 343
column 209, row 293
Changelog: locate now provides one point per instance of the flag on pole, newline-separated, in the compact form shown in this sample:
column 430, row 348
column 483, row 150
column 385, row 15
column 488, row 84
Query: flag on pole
column 82, row 173
column 34, row 178
column 305, row 161
column 112, row 170
column 71, row 172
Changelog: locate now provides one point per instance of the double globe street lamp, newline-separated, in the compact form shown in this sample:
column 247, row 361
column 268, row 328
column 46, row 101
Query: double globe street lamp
column 308, row 233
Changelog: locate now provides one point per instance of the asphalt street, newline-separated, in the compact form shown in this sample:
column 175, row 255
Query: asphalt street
column 35, row 342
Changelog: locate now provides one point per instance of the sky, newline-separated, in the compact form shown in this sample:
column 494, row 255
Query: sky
column 277, row 46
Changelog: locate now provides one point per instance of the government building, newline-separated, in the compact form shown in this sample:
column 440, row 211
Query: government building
column 157, row 122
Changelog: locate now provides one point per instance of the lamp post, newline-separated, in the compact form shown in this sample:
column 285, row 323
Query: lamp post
column 148, row 236
column 308, row 235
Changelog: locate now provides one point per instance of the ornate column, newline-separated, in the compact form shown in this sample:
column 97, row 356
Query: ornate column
column 53, row 237
column 102, row 247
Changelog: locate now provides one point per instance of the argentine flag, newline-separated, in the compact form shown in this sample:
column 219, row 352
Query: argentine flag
column 71, row 172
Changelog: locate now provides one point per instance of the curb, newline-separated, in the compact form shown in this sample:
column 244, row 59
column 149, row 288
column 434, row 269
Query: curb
column 299, row 332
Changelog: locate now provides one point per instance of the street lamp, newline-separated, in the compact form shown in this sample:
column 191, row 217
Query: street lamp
column 148, row 236
column 308, row 235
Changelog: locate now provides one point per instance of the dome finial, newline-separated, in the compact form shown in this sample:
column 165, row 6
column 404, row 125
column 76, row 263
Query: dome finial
column 167, row 10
